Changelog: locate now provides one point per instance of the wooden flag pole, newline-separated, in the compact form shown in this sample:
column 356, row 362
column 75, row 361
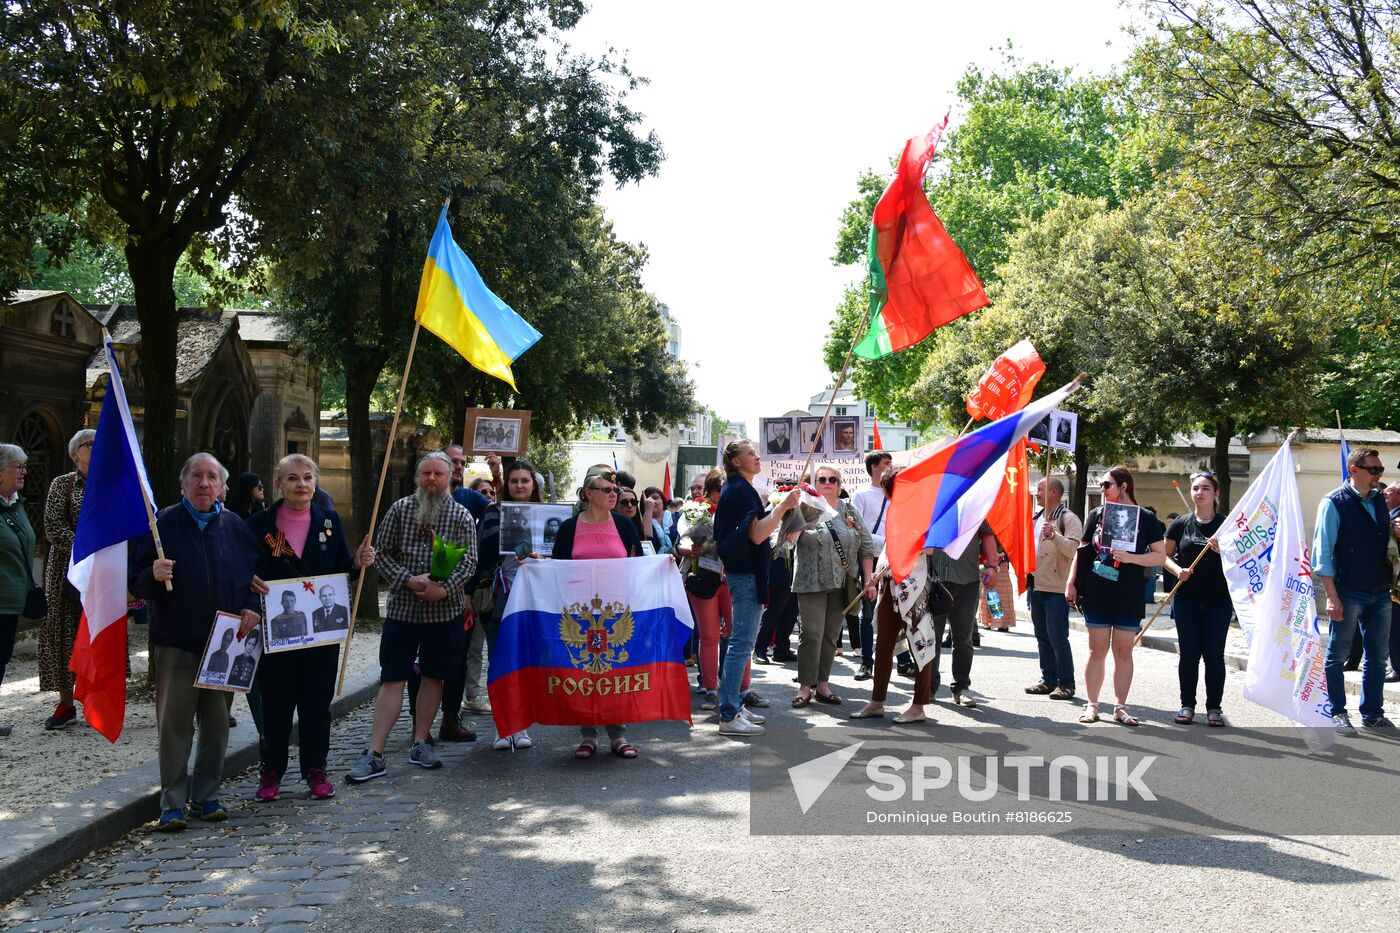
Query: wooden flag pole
column 374, row 512
column 1166, row 602
column 155, row 532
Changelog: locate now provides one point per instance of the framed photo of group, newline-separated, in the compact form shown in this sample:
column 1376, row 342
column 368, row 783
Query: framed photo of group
column 531, row 527
column 504, row 431
column 307, row 611
column 789, row 436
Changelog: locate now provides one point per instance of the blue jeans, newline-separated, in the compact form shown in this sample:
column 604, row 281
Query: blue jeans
column 743, row 595
column 1050, row 619
column 867, row 632
column 1370, row 612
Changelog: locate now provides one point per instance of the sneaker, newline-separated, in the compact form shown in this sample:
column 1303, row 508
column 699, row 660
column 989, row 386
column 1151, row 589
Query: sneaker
column 369, row 767
column 64, row 714
column 422, row 755
column 754, row 701
column 1341, row 724
column 321, row 786
column 269, row 786
column 502, row 743
column 711, row 702
column 751, row 716
column 523, row 740
column 1377, row 722
column 211, row 811
column 865, row 673
column 962, row 699
column 1061, row 693
column 907, row 670
column 739, row 726
column 171, row 821
column 478, row 705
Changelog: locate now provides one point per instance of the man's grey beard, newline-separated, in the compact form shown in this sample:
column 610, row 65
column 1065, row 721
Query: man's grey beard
column 428, row 506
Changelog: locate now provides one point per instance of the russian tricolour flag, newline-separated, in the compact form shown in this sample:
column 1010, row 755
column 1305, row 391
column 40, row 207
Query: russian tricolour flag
column 591, row 642
column 114, row 511
column 942, row 500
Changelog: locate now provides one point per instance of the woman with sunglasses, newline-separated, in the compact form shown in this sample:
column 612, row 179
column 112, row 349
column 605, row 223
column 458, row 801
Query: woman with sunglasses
column 1106, row 583
column 629, row 507
column 837, row 550
column 1202, row 606
column 595, row 533
column 497, row 571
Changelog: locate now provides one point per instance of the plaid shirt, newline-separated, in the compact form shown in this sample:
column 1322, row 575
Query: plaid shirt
column 403, row 550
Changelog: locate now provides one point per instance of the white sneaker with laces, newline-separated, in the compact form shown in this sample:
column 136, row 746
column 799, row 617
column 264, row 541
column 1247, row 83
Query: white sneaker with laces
column 502, row 743
column 522, row 739
column 740, row 726
column 751, row 716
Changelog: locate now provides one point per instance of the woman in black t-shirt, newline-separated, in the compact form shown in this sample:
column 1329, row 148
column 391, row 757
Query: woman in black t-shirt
column 1106, row 583
column 1203, row 605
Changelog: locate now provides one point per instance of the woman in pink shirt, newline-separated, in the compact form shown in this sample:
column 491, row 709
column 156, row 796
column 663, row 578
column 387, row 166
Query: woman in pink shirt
column 596, row 533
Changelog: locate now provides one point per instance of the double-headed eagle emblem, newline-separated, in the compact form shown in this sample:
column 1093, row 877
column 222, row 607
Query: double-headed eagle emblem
column 595, row 634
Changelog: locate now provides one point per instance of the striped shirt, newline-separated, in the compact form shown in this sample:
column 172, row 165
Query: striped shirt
column 404, row 549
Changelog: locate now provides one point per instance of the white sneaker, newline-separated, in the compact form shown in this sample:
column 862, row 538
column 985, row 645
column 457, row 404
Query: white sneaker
column 751, row 716
column 502, row 743
column 478, row 705
column 522, row 739
column 740, row 726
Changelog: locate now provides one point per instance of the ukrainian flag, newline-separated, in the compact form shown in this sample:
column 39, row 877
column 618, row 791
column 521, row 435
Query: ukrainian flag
column 455, row 304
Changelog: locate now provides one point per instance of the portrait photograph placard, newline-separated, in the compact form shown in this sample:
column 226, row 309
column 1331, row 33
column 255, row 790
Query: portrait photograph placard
column 504, row 431
column 1064, row 429
column 847, row 439
column 307, row 611
column 1120, row 526
column 1040, row 431
column 810, row 436
column 229, row 662
column 533, row 525
column 779, row 437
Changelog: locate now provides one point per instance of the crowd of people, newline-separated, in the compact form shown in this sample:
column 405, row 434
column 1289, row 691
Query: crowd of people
column 223, row 541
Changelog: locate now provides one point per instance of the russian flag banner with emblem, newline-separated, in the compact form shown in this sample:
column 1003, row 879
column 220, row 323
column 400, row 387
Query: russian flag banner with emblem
column 113, row 512
column 591, row 642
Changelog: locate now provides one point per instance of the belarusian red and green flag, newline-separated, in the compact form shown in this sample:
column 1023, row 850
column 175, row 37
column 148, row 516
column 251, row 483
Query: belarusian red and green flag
column 919, row 279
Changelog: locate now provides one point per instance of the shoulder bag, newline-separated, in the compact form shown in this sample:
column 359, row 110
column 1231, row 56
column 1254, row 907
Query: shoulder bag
column 36, row 604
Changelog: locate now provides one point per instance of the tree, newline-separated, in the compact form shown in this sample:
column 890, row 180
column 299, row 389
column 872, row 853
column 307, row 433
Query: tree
column 462, row 100
column 1031, row 134
column 156, row 111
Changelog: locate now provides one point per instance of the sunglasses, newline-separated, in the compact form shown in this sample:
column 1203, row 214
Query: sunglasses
column 826, row 480
column 1107, row 484
column 605, row 490
column 632, row 503
column 1374, row 471
column 1203, row 474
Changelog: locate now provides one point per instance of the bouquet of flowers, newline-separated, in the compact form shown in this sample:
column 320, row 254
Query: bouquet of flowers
column 811, row 511
column 446, row 557
column 699, row 537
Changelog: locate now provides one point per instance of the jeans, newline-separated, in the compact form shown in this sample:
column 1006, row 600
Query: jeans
column 1369, row 612
column 1201, row 632
column 1050, row 619
column 743, row 593
column 867, row 632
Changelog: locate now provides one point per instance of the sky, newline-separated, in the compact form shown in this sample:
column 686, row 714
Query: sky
column 768, row 112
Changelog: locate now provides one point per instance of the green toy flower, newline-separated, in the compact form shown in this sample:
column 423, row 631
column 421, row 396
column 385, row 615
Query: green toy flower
column 446, row 557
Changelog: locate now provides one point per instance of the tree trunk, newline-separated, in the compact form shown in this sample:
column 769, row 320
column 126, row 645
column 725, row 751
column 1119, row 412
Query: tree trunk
column 152, row 270
column 1224, row 431
column 364, row 470
column 1077, row 503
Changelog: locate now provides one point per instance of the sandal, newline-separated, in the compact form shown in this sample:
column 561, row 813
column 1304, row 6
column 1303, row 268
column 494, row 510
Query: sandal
column 585, row 750
column 1186, row 716
column 625, row 750
column 1121, row 715
column 801, row 702
column 1039, row 689
column 1215, row 718
column 1090, row 714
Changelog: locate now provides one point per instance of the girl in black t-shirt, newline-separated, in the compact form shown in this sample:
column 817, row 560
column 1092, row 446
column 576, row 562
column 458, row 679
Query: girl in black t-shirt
column 1203, row 606
column 1106, row 584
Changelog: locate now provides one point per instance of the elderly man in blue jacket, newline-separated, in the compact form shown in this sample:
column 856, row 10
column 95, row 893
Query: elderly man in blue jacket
column 210, row 559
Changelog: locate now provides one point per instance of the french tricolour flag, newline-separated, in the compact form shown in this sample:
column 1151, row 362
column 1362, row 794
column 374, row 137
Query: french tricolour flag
column 591, row 642
column 114, row 511
column 942, row 500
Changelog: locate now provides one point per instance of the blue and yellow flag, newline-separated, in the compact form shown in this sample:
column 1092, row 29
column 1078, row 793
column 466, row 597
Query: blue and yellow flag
column 455, row 304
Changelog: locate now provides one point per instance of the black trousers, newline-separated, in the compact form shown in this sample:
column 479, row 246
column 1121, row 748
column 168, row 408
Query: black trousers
column 9, row 626
column 301, row 680
column 780, row 615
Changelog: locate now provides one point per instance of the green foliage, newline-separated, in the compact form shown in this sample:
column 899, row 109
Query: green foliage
column 719, row 426
column 96, row 273
column 553, row 457
column 1030, row 135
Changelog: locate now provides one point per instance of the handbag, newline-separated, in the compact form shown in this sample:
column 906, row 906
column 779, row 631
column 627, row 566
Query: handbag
column 702, row 584
column 940, row 598
column 36, row 602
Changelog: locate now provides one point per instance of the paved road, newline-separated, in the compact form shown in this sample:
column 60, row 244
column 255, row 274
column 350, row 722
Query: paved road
column 535, row 840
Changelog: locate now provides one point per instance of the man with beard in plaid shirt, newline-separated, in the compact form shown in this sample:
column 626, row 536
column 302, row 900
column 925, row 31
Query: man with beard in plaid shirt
column 424, row 619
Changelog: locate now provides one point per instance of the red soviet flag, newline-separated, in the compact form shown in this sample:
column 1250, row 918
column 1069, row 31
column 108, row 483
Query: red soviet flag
column 1010, row 516
column 1007, row 384
column 876, row 440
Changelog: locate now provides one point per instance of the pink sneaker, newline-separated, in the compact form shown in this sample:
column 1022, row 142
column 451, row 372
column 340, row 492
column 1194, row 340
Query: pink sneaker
column 321, row 787
column 269, row 786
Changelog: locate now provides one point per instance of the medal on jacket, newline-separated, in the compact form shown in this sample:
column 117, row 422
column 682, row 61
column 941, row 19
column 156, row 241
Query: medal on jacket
column 279, row 545
column 327, row 533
